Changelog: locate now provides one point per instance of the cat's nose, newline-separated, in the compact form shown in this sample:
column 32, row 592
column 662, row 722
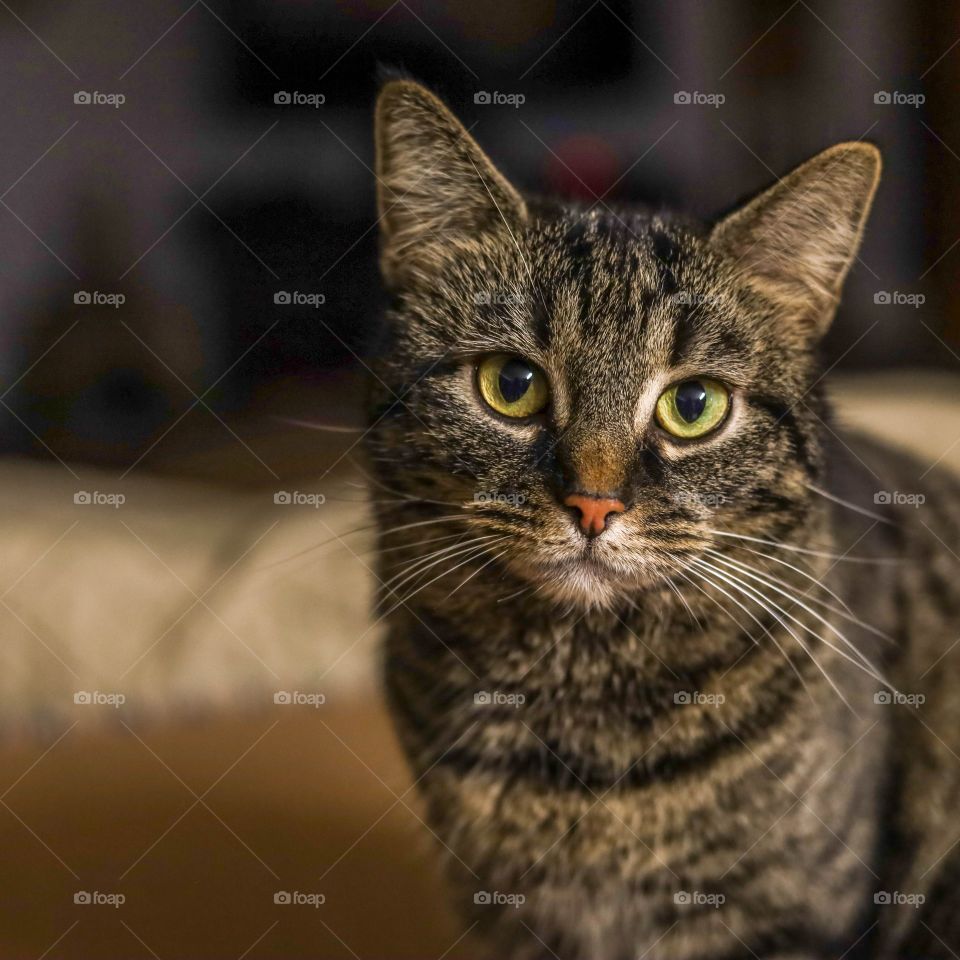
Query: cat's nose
column 594, row 511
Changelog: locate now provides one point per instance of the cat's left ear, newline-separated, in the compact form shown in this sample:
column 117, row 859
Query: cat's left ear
column 436, row 189
column 796, row 241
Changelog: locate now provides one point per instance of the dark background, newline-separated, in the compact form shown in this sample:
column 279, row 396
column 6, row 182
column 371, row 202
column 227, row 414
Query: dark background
column 200, row 198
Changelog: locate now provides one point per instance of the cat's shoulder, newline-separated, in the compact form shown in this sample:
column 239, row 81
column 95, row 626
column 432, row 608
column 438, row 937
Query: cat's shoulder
column 883, row 478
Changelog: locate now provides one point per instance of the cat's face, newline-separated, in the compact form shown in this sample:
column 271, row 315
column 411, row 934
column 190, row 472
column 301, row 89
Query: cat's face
column 604, row 391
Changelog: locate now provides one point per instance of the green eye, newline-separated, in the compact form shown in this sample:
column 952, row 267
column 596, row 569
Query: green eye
column 512, row 386
column 693, row 408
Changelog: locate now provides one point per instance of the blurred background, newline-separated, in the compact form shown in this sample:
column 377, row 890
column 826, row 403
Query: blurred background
column 200, row 198
column 188, row 239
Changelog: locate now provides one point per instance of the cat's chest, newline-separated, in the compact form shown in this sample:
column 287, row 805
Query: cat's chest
column 638, row 766
column 653, row 826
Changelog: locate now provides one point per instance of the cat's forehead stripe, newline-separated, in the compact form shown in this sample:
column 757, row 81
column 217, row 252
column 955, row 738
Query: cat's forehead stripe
column 611, row 284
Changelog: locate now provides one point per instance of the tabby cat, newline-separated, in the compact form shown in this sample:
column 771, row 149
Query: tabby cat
column 673, row 657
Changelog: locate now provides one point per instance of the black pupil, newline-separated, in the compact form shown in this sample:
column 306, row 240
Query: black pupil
column 515, row 379
column 691, row 399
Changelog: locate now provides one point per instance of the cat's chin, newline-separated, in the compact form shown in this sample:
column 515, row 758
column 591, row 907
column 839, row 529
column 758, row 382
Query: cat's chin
column 586, row 582
column 581, row 590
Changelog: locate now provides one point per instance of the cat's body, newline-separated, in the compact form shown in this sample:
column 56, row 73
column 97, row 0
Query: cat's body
column 617, row 765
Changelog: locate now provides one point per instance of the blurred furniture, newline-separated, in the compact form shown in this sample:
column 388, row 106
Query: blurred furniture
column 202, row 198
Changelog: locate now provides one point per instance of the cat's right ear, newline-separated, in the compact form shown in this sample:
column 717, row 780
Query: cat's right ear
column 436, row 189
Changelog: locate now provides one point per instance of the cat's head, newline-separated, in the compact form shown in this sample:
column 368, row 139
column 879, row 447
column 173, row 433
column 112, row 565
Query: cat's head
column 607, row 391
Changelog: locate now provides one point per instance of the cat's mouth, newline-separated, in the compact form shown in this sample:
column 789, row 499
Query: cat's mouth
column 585, row 568
column 589, row 561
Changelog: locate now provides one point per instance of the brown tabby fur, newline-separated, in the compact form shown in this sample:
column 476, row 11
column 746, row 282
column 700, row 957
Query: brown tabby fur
column 685, row 753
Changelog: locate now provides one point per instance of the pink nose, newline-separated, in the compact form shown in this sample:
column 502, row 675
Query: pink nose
column 593, row 511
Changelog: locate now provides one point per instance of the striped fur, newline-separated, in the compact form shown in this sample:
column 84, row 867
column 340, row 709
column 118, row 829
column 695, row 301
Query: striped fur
column 672, row 742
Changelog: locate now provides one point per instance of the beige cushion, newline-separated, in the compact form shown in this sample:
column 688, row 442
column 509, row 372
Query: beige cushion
column 183, row 595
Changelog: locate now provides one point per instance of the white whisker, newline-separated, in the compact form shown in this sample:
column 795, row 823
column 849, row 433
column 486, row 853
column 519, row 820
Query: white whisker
column 483, row 566
column 847, row 614
column 767, row 631
column 800, row 570
column 760, row 579
column 865, row 666
column 812, row 553
column 717, row 603
column 517, row 593
column 850, row 506
column 399, row 493
column 422, row 523
column 775, row 610
column 473, row 556
column 416, row 543
column 326, row 428
column 418, row 566
column 682, row 599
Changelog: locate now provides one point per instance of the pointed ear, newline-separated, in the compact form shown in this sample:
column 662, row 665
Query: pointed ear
column 435, row 186
column 796, row 241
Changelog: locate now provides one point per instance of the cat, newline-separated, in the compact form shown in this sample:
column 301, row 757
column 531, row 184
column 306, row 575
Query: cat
column 672, row 656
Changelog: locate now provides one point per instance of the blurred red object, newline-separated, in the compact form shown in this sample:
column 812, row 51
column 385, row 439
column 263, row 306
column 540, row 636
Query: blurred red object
column 583, row 167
